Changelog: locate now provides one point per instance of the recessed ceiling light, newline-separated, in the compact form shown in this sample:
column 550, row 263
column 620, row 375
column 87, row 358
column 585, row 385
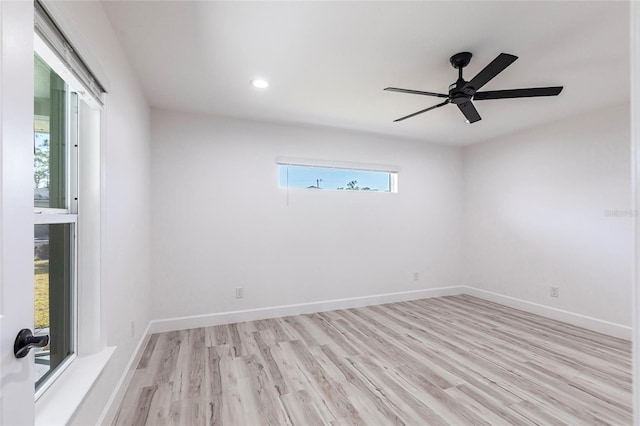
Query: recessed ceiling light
column 260, row 84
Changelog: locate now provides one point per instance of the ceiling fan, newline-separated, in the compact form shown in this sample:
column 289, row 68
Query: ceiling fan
column 462, row 92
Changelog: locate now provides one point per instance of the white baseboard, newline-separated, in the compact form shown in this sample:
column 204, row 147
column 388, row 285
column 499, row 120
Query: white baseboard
column 183, row 323
column 590, row 323
column 208, row 320
column 111, row 407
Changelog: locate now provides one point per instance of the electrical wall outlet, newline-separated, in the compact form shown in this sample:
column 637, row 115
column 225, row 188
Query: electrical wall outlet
column 132, row 328
column 416, row 276
column 239, row 292
column 555, row 292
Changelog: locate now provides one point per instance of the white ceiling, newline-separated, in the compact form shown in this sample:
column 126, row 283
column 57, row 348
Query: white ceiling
column 327, row 62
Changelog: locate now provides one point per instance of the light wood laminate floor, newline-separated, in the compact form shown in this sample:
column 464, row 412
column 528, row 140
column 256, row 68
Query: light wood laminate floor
column 449, row 360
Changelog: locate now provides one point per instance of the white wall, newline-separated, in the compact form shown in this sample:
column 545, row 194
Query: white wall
column 635, row 143
column 126, row 173
column 536, row 215
column 220, row 221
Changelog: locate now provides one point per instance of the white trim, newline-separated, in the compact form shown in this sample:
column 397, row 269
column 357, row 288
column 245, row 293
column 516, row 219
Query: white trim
column 57, row 406
column 331, row 164
column 181, row 323
column 207, row 320
column 57, row 372
column 584, row 321
column 158, row 326
column 47, row 219
column 113, row 403
column 73, row 101
column 48, row 210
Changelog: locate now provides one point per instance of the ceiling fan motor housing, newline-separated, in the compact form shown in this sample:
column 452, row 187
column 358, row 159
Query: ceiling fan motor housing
column 458, row 94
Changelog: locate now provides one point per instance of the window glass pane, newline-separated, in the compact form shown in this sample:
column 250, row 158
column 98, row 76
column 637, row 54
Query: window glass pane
column 311, row 177
column 49, row 141
column 53, row 252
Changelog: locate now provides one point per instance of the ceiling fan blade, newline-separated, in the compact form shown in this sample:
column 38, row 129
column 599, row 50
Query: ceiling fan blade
column 415, row 92
column 518, row 93
column 469, row 111
column 494, row 68
column 420, row 112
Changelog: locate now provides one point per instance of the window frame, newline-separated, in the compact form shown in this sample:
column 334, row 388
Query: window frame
column 69, row 387
column 391, row 170
column 67, row 215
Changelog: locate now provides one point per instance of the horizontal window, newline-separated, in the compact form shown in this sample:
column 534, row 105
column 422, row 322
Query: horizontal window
column 334, row 178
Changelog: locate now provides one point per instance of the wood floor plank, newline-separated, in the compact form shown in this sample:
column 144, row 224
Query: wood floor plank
column 238, row 404
column 265, row 394
column 332, row 392
column 271, row 365
column 302, row 410
column 414, row 408
column 337, row 339
column 292, row 377
column 279, row 330
column 168, row 353
column 454, row 360
column 484, row 405
column 213, row 394
column 438, row 399
column 236, row 341
column 159, row 407
column 148, row 351
column 389, row 412
column 217, row 335
column 187, row 412
column 143, row 405
column 296, row 324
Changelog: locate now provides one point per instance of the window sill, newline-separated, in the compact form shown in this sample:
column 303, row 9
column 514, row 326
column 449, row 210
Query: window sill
column 63, row 397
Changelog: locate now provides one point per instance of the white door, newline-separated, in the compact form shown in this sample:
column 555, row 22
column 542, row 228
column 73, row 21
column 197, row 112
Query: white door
column 16, row 209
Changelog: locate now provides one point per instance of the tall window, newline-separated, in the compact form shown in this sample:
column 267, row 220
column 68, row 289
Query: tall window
column 55, row 202
column 68, row 100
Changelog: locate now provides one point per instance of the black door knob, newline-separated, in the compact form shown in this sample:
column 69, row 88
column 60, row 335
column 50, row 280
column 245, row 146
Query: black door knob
column 26, row 340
